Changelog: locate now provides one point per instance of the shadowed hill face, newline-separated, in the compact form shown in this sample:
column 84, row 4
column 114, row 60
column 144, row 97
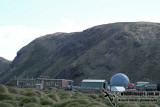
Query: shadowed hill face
column 4, row 64
column 98, row 52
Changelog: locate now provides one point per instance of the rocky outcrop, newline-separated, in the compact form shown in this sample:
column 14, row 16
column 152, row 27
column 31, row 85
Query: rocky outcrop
column 4, row 64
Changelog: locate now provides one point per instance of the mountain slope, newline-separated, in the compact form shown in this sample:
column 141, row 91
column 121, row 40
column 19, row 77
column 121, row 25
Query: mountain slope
column 4, row 64
column 98, row 52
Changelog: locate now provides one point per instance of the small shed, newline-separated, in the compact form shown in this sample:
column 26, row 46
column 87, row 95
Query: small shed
column 94, row 84
column 117, row 89
column 39, row 86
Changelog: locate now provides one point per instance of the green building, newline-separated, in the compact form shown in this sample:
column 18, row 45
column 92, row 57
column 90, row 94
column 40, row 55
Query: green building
column 151, row 87
column 94, row 84
column 141, row 85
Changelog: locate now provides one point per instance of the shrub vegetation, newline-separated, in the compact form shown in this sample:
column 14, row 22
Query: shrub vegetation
column 16, row 97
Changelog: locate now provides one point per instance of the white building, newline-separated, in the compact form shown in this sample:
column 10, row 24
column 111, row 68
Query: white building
column 117, row 89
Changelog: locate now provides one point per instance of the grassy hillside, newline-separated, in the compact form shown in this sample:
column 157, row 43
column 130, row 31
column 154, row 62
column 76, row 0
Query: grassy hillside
column 4, row 64
column 97, row 52
column 14, row 97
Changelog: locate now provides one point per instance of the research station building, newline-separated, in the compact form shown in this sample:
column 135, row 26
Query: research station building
column 94, row 84
column 43, row 83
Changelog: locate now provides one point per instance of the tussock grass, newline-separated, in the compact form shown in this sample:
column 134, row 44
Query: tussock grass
column 143, row 105
column 95, row 97
column 153, row 105
column 76, row 103
column 6, row 97
column 3, row 89
column 32, row 92
column 31, row 105
column 64, row 95
column 73, row 104
column 132, row 105
column 54, row 97
column 13, row 103
column 45, row 106
column 4, row 104
column 101, row 95
column 34, row 99
column 15, row 90
column 121, row 105
column 158, row 103
column 46, row 101
column 96, row 104
column 16, row 97
column 26, row 101
column 78, row 95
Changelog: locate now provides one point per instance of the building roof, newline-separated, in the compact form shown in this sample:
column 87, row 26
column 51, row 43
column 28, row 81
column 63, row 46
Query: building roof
column 93, row 80
column 142, row 83
column 45, row 79
column 25, row 79
column 130, row 84
column 150, row 84
column 59, row 79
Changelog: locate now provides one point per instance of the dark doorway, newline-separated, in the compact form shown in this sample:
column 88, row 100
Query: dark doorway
column 158, row 87
column 104, row 85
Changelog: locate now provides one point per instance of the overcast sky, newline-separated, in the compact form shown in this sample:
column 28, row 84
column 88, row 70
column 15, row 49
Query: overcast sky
column 21, row 21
